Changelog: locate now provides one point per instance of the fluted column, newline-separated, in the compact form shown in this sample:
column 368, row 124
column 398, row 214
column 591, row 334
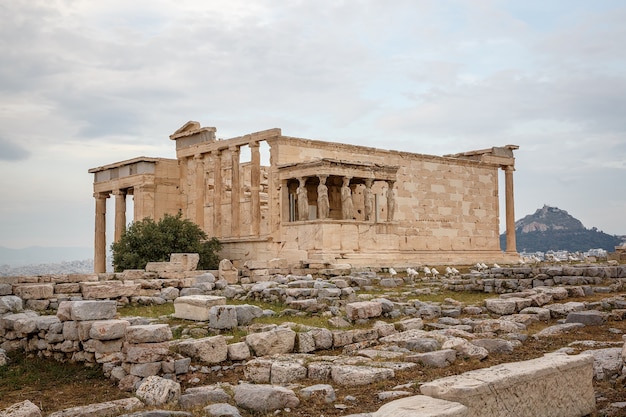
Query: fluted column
column 511, row 245
column 235, row 226
column 255, row 188
column 120, row 214
column 200, row 190
column 217, row 192
column 100, row 241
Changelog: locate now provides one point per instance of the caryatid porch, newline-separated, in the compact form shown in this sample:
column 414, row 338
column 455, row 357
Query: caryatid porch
column 328, row 189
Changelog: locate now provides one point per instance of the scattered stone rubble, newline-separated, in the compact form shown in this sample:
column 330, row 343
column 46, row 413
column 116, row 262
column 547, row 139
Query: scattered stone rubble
column 281, row 368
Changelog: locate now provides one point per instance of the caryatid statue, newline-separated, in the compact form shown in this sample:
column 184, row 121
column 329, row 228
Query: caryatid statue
column 303, row 200
column 347, row 205
column 323, row 206
column 368, row 199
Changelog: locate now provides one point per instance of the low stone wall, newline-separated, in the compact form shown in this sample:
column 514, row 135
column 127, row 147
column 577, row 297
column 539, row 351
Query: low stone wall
column 87, row 331
column 514, row 279
column 554, row 385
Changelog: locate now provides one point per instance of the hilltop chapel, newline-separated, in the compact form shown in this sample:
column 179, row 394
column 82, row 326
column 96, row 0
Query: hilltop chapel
column 318, row 202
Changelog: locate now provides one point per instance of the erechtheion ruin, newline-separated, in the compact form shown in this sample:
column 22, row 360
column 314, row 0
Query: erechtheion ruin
column 318, row 202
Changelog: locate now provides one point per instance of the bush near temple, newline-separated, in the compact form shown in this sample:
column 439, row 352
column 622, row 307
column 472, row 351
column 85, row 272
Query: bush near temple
column 149, row 241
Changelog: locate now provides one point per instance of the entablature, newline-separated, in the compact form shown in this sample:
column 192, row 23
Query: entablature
column 327, row 166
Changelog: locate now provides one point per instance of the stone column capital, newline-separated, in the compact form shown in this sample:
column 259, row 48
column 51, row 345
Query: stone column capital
column 101, row 196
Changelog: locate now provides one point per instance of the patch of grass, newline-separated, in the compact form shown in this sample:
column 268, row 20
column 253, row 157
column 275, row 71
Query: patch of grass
column 53, row 385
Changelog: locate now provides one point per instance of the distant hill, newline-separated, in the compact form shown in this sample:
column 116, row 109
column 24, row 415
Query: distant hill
column 551, row 228
column 41, row 255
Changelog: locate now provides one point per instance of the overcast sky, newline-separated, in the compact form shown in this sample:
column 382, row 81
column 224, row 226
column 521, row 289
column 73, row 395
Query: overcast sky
column 86, row 83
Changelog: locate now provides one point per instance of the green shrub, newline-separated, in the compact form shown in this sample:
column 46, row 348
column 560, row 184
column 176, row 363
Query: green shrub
column 149, row 241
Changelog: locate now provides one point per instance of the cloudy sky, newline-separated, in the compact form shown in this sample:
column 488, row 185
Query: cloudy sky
column 86, row 83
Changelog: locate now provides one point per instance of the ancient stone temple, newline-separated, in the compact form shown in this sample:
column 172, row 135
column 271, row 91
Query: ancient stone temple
column 318, row 202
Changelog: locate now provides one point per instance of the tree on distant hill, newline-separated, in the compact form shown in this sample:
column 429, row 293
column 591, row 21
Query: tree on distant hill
column 149, row 241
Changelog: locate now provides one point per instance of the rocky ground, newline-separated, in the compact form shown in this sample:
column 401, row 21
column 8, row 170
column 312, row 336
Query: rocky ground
column 416, row 340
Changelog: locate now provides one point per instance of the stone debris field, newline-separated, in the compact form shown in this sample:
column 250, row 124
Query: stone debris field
column 375, row 330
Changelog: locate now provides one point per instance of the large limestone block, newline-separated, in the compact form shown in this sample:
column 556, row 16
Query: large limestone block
column 155, row 390
column 363, row 310
column 221, row 410
column 284, row 372
column 228, row 272
column 238, row 351
column 607, row 363
column 558, row 329
column 258, row 370
column 501, row 306
column 223, row 317
column 562, row 310
column 22, row 323
column 108, row 408
column 144, row 370
column 108, row 329
column 422, row 406
column 277, row 341
column 351, row 375
column 554, row 385
column 10, row 303
column 246, row 313
column 588, row 317
column 6, row 289
column 187, row 261
column 108, row 289
column 102, row 346
column 23, row 409
column 87, row 310
column 437, row 359
column 208, row 349
column 196, row 307
column 34, row 291
column 264, row 398
column 198, row 396
column 146, row 352
column 148, row 333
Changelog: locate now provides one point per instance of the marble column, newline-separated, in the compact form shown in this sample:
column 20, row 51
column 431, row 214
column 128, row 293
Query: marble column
column 217, row 192
column 100, row 241
column 511, row 245
column 255, row 188
column 200, row 190
column 235, row 225
column 120, row 214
